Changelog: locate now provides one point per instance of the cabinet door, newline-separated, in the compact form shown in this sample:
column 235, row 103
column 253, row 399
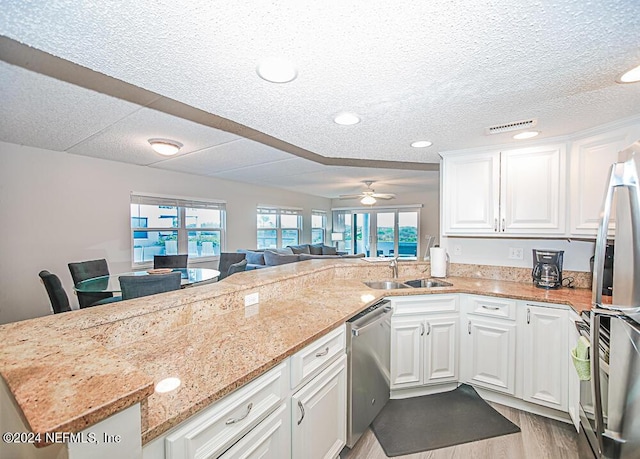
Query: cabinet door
column 546, row 362
column 271, row 439
column 406, row 352
column 591, row 159
column 533, row 191
column 491, row 354
column 441, row 350
column 471, row 193
column 319, row 414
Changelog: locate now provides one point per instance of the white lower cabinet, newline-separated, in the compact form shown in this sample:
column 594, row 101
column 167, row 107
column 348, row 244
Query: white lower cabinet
column 319, row 414
column 545, row 355
column 424, row 341
column 296, row 410
column 441, row 350
column 490, row 354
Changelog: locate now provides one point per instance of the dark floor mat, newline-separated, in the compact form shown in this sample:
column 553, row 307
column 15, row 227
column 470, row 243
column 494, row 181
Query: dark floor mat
column 435, row 421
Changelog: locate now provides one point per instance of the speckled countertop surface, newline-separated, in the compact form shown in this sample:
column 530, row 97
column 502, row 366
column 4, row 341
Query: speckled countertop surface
column 72, row 370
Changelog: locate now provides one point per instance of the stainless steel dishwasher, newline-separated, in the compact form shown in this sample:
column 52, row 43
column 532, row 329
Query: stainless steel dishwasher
column 368, row 353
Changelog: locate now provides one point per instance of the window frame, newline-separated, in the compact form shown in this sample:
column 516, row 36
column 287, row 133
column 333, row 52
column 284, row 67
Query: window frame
column 180, row 226
column 323, row 228
column 278, row 212
column 373, row 211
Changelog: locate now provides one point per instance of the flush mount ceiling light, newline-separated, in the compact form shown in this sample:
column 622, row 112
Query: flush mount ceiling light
column 165, row 147
column 526, row 135
column 346, row 119
column 630, row 76
column 276, row 70
column 421, row 144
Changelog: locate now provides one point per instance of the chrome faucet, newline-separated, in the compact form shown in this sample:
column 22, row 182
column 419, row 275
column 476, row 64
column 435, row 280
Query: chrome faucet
column 393, row 265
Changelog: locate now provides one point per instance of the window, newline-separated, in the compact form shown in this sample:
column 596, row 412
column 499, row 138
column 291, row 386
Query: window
column 278, row 227
column 318, row 226
column 383, row 232
column 169, row 226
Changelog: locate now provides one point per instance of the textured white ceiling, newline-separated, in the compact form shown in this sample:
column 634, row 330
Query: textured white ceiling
column 440, row 70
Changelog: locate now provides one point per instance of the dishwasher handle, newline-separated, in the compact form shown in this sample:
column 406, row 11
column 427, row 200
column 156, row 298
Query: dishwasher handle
column 356, row 330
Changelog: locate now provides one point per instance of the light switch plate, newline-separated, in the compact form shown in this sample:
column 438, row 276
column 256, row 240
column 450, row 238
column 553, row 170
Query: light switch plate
column 251, row 299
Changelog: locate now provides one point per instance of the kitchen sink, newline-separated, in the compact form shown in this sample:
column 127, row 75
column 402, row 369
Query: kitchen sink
column 427, row 283
column 385, row 285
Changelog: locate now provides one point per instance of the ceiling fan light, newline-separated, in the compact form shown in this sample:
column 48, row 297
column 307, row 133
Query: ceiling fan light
column 165, row 147
column 368, row 200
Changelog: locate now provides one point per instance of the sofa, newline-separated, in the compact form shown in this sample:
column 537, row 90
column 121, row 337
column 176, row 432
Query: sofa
column 263, row 258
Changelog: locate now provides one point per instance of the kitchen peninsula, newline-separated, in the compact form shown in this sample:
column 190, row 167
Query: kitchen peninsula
column 71, row 371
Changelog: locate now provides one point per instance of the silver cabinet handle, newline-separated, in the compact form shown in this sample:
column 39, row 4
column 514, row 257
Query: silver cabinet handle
column 421, row 329
column 469, row 327
column 528, row 315
column 233, row 421
column 301, row 406
column 491, row 308
column 428, row 328
column 495, row 225
column 323, row 353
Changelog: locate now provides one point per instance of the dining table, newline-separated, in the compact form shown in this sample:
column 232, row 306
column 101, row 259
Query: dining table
column 111, row 283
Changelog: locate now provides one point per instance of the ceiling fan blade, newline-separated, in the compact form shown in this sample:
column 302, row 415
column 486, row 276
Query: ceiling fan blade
column 383, row 195
column 350, row 196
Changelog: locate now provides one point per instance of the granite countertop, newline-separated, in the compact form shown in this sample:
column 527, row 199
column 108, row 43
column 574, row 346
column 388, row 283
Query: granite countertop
column 70, row 371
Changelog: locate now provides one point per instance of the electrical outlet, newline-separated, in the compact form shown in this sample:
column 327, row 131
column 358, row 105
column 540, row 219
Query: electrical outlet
column 457, row 249
column 251, row 299
column 516, row 253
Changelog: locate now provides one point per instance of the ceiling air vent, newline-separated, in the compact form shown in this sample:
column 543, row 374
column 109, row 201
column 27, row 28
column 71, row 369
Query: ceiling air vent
column 515, row 126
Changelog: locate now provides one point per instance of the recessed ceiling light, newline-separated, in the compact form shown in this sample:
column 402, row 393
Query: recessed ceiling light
column 276, row 70
column 165, row 147
column 630, row 76
column 526, row 135
column 421, row 144
column 346, row 118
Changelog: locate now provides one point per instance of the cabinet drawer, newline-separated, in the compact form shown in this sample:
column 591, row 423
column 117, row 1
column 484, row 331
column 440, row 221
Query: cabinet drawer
column 502, row 308
column 212, row 431
column 269, row 439
column 308, row 362
column 424, row 304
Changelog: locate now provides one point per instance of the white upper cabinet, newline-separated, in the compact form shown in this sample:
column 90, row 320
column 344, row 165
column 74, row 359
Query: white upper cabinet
column 591, row 158
column 471, row 193
column 514, row 192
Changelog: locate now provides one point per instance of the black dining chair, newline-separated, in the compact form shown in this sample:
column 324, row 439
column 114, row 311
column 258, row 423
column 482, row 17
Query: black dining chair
column 170, row 261
column 237, row 267
column 137, row 286
column 57, row 295
column 84, row 270
column 226, row 260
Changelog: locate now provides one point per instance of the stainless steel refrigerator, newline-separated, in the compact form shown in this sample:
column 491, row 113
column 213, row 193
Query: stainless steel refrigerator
column 613, row 426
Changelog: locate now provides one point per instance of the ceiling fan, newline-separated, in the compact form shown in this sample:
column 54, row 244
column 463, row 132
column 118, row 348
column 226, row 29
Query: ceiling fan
column 369, row 196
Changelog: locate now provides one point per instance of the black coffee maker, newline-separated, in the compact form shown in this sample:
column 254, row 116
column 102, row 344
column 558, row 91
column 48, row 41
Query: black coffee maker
column 547, row 268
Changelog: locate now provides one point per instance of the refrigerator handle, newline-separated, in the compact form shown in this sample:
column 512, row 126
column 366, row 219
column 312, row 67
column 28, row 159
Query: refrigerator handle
column 621, row 175
column 595, row 377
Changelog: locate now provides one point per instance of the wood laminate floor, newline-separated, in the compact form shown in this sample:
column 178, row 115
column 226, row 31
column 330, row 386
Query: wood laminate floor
column 540, row 438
